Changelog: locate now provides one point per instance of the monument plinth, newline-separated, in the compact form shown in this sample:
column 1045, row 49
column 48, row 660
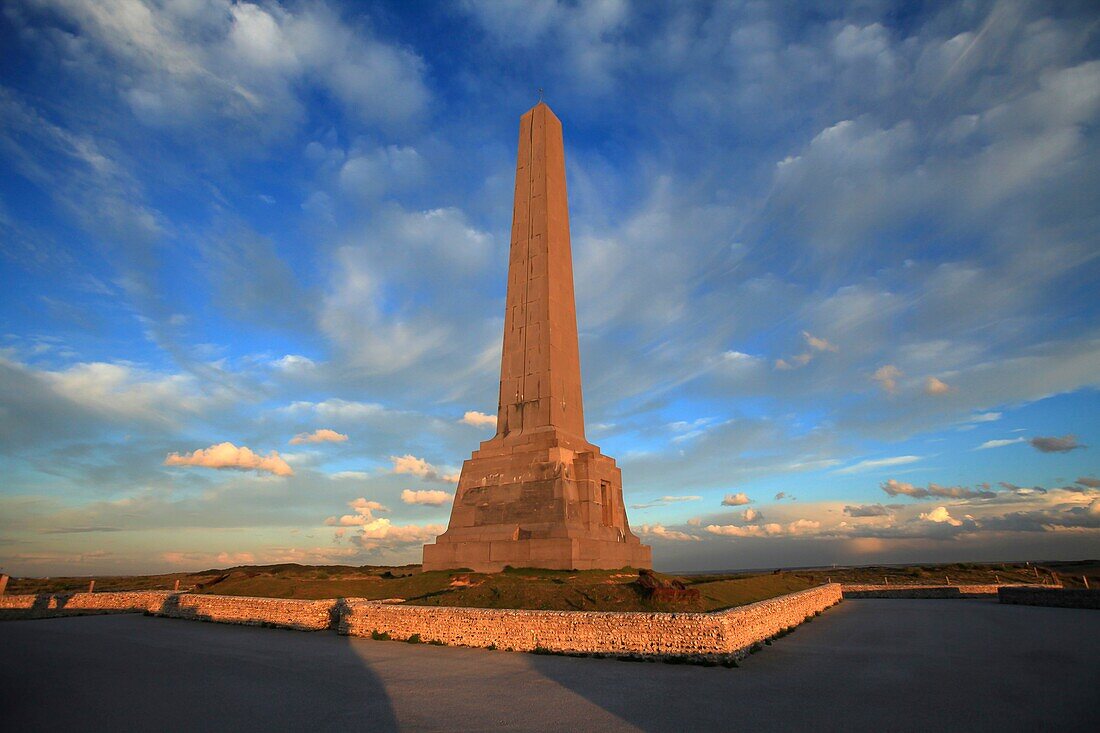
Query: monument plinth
column 538, row 494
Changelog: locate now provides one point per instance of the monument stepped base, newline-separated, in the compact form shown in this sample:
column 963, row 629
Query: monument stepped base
column 554, row 553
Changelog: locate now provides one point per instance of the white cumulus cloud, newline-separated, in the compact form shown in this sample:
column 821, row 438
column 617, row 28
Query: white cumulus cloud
column 410, row 464
column 227, row 455
column 479, row 419
column 940, row 515
column 322, row 435
column 661, row 532
column 431, row 497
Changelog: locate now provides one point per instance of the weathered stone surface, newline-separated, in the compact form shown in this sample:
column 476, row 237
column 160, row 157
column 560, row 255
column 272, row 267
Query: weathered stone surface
column 538, row 493
column 44, row 605
column 283, row 612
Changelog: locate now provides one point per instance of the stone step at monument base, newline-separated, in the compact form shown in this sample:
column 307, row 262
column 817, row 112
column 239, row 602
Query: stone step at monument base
column 556, row 553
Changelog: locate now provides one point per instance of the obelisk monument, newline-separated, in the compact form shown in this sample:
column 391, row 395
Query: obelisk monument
column 538, row 494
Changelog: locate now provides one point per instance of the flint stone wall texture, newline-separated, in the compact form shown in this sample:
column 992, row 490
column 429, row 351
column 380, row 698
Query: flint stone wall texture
column 725, row 634
column 922, row 591
column 283, row 612
column 1038, row 596
column 44, row 605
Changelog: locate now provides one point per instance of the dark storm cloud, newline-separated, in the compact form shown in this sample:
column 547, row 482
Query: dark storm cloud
column 1056, row 445
column 867, row 510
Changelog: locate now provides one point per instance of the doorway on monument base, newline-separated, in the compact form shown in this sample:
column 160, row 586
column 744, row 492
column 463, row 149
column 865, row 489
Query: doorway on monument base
column 607, row 499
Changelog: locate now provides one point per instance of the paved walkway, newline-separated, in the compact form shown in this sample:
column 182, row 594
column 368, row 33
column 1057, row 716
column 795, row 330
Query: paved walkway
column 865, row 665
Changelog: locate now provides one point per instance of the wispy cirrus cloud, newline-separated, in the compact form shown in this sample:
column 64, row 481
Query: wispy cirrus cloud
column 1000, row 443
column 665, row 501
column 872, row 463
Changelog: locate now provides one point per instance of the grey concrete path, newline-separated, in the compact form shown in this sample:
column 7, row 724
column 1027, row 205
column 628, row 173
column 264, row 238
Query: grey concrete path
column 864, row 665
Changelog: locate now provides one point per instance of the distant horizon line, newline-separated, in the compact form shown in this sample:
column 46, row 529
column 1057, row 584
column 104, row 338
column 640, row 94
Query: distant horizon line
column 722, row 571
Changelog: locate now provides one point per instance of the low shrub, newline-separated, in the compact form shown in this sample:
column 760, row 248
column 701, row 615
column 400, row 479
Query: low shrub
column 414, row 639
column 380, row 635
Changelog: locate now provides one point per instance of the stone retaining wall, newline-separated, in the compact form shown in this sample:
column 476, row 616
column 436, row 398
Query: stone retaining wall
column 284, row 612
column 922, row 591
column 44, row 605
column 727, row 633
column 1039, row 596
column 723, row 634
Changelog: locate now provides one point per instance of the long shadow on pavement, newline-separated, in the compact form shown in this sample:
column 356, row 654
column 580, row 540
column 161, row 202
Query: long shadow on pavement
column 131, row 672
column 864, row 665
column 874, row 665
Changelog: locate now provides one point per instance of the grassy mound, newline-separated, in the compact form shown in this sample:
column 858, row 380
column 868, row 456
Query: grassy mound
column 535, row 588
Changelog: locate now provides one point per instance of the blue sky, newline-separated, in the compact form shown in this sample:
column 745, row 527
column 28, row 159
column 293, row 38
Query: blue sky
column 836, row 273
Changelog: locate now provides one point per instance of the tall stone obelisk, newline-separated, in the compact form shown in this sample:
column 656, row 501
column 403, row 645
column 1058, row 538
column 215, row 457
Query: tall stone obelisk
column 538, row 494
